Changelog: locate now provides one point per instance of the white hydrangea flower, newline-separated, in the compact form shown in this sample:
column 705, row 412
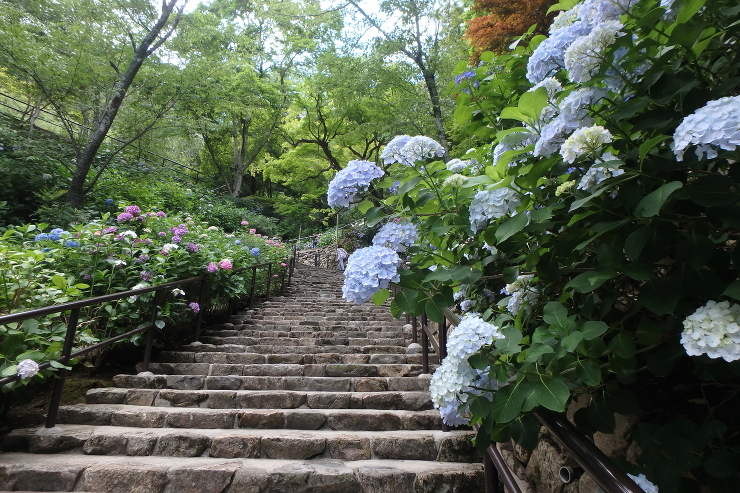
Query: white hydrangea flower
column 454, row 181
column 564, row 19
column 396, row 235
column 392, row 152
column 130, row 233
column 551, row 85
column 717, row 124
column 597, row 174
column 585, row 54
column 573, row 114
column 595, row 12
column 347, row 183
column 584, row 141
column 141, row 285
column 515, row 141
column 455, row 374
column 450, row 416
column 523, row 294
column 178, row 292
column 420, row 148
column 641, row 481
column 466, row 305
column 458, row 165
column 564, row 188
column 492, row 204
column 27, row 368
column 369, row 270
column 714, row 330
column 168, row 247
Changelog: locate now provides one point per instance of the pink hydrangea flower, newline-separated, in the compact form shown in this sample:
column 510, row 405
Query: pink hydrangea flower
column 225, row 264
column 212, row 267
column 252, row 231
column 245, row 223
column 124, row 216
column 132, row 209
column 283, row 264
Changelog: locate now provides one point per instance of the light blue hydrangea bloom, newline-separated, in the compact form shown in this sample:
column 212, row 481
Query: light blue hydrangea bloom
column 450, row 416
column 420, row 148
column 455, row 374
column 492, row 204
column 717, row 124
column 392, row 152
column 573, row 113
column 457, row 165
column 548, row 57
column 350, row 181
column 72, row 243
column 41, row 236
column 597, row 174
column 255, row 251
column 641, row 481
column 396, row 236
column 369, row 270
column 584, row 56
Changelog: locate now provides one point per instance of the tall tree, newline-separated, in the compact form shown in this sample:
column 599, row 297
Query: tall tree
column 84, row 55
column 415, row 33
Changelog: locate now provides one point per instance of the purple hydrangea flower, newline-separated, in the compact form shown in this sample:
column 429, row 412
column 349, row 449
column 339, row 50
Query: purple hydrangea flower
column 212, row 267
column 125, row 216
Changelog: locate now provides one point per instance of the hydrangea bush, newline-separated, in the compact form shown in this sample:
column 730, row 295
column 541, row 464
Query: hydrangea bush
column 129, row 250
column 599, row 235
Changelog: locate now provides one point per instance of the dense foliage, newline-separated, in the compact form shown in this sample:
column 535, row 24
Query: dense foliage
column 130, row 250
column 593, row 244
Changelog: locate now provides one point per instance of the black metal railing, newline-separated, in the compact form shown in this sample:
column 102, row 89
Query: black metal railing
column 150, row 156
column 589, row 457
column 74, row 308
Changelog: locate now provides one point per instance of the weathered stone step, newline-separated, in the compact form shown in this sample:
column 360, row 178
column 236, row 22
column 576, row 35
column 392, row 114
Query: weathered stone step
column 452, row 446
column 261, row 399
column 281, row 349
column 120, row 474
column 284, row 370
column 296, row 419
column 297, row 359
column 323, row 384
column 301, row 331
column 304, row 341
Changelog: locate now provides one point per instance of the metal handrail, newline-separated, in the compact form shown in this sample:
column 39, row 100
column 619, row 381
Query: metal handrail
column 75, row 306
column 591, row 459
column 164, row 159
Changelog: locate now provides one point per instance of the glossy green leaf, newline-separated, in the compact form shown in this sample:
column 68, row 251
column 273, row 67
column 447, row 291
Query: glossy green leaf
column 552, row 393
column 651, row 204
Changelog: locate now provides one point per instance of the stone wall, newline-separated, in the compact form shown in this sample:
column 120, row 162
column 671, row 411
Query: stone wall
column 319, row 257
column 539, row 470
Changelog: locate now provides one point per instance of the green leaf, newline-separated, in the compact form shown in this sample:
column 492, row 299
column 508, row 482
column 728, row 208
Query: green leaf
column 552, row 393
column 59, row 281
column 532, row 102
column 10, row 371
column 159, row 324
column 588, row 281
column 623, row 346
column 30, row 326
column 59, row 366
column 365, row 206
column 465, row 274
column 536, row 351
column 510, row 343
column 733, row 290
column 507, row 402
column 525, row 430
column 589, row 372
column 721, row 464
column 563, row 5
column 511, row 227
column 689, row 9
column 713, row 190
column 555, row 314
column 651, row 204
column 407, row 301
column 381, row 296
column 435, row 307
column 593, row 329
column 646, row 146
column 571, row 341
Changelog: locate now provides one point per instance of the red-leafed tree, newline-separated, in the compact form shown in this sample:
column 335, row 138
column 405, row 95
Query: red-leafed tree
column 499, row 21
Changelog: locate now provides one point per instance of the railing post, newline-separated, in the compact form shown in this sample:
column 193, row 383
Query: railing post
column 490, row 475
column 251, row 287
column 424, row 344
column 56, row 396
column 414, row 330
column 150, row 331
column 442, row 340
column 269, row 279
column 201, row 304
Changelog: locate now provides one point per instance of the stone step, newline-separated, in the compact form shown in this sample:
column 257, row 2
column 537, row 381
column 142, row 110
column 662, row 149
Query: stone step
column 451, row 446
column 285, row 370
column 281, row 349
column 322, row 384
column 120, row 474
column 297, row 359
column 305, row 341
column 296, row 419
column 260, row 399
column 391, row 332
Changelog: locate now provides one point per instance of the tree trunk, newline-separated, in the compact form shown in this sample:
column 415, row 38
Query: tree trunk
column 431, row 83
column 150, row 43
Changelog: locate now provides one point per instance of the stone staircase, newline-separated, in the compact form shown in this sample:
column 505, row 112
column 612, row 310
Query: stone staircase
column 306, row 393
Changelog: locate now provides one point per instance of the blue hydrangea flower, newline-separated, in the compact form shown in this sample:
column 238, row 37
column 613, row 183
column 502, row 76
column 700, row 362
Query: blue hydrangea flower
column 255, row 251
column 421, row 148
column 548, row 57
column 392, row 152
column 237, row 242
column 717, row 124
column 369, row 270
column 468, row 74
column 492, row 204
column 72, row 243
column 109, row 201
column 396, row 236
column 350, row 181
column 41, row 236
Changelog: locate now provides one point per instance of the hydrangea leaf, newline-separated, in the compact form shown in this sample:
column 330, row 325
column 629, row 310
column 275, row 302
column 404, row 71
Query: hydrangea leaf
column 589, row 372
column 651, row 204
column 722, row 463
column 733, row 290
column 689, row 9
column 406, row 301
column 593, row 329
column 508, row 401
column 552, row 393
column 510, row 227
column 555, row 314
column 536, row 351
column 525, row 430
column 381, row 296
